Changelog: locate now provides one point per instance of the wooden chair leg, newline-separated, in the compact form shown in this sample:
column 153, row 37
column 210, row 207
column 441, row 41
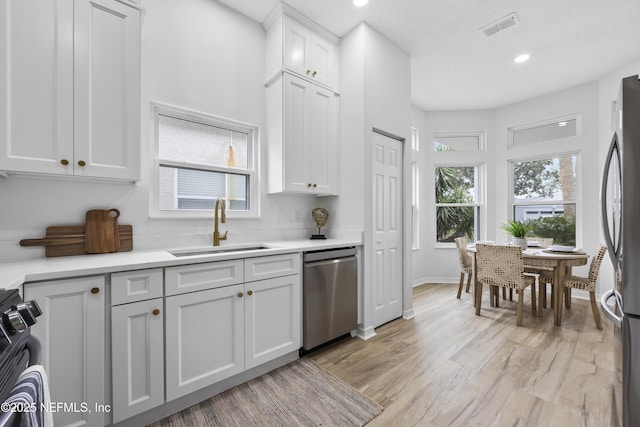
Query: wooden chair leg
column 504, row 293
column 542, row 297
column 552, row 301
column 533, row 300
column 510, row 294
column 468, row 281
column 477, row 296
column 461, row 284
column 519, row 311
column 567, row 297
column 595, row 309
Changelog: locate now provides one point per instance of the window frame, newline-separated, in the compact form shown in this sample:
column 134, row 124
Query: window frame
column 252, row 171
column 415, row 194
column 479, row 205
column 480, row 134
column 511, row 130
column 548, row 156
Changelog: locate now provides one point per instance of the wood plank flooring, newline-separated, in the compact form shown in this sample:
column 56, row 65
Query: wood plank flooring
column 449, row 367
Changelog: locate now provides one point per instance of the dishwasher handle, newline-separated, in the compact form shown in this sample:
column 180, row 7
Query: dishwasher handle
column 329, row 254
column 329, row 261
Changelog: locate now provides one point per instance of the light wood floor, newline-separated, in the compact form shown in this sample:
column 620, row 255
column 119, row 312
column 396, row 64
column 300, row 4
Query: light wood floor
column 449, row 367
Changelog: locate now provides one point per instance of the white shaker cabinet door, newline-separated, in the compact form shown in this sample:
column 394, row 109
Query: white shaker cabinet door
column 72, row 333
column 137, row 350
column 36, row 86
column 272, row 319
column 107, row 89
column 204, row 338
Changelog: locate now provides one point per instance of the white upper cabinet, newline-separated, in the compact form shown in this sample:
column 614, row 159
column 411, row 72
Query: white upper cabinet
column 310, row 55
column 70, row 88
column 298, row 45
column 302, row 105
column 303, row 137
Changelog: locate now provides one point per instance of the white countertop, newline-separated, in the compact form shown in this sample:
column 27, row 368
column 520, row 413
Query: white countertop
column 13, row 274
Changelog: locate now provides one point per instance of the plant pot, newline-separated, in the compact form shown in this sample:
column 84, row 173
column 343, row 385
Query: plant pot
column 519, row 241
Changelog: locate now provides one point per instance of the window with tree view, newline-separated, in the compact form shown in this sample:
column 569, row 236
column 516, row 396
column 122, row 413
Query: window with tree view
column 457, row 203
column 544, row 193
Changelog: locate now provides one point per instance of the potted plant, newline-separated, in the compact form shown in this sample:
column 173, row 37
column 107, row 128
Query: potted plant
column 519, row 231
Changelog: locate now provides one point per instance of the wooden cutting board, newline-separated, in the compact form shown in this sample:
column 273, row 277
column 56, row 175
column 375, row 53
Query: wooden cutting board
column 67, row 240
column 101, row 234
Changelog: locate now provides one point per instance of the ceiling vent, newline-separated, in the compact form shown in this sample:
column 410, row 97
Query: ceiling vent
column 501, row 24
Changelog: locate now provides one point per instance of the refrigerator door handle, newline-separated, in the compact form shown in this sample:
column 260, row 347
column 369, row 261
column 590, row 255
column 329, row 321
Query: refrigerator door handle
column 606, row 310
column 611, row 237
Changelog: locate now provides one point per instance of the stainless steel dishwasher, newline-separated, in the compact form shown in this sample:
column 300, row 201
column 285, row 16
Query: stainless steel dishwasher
column 330, row 295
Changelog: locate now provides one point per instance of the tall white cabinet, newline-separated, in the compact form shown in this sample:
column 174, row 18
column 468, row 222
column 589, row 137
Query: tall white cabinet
column 302, row 106
column 70, row 88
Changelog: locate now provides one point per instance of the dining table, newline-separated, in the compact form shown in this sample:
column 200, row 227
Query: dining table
column 560, row 262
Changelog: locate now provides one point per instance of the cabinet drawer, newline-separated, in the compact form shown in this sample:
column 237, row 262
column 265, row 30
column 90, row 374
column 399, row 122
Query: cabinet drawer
column 133, row 286
column 198, row 277
column 271, row 266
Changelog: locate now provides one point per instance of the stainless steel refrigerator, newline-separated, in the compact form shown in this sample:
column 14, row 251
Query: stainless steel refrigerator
column 620, row 219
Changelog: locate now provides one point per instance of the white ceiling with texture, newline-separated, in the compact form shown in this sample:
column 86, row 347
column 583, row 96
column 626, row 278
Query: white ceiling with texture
column 455, row 67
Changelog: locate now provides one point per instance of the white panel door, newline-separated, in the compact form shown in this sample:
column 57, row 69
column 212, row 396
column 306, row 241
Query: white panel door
column 36, row 86
column 204, row 338
column 387, row 229
column 72, row 333
column 272, row 319
column 107, row 89
column 137, row 333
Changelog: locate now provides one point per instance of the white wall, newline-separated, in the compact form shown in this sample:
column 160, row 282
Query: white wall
column 432, row 262
column 375, row 84
column 442, row 263
column 199, row 55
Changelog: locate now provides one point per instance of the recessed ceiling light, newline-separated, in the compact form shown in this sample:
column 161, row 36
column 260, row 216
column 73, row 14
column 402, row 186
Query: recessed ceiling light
column 360, row 3
column 522, row 58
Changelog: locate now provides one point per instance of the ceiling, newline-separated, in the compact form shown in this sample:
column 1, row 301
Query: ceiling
column 454, row 66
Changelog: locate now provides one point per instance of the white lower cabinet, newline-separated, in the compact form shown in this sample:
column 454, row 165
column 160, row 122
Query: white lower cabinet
column 72, row 333
column 272, row 319
column 205, row 338
column 214, row 334
column 137, row 353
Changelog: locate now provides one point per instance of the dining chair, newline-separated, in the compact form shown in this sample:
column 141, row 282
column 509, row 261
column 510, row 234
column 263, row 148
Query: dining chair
column 466, row 263
column 546, row 273
column 587, row 284
column 503, row 266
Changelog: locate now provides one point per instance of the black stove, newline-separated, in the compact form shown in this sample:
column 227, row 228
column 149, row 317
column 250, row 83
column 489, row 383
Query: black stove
column 18, row 348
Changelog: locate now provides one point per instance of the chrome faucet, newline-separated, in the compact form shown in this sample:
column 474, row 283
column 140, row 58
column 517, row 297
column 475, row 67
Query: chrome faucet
column 216, row 234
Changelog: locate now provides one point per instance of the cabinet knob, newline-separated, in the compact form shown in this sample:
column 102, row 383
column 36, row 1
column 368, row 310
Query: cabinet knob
column 155, row 312
column 309, row 184
column 240, row 294
column 81, row 163
column 250, row 293
column 64, row 162
column 314, row 73
column 95, row 290
column 308, row 72
column 315, row 185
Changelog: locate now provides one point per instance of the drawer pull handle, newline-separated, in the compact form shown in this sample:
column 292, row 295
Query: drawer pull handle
column 240, row 294
column 156, row 312
column 250, row 293
column 95, row 290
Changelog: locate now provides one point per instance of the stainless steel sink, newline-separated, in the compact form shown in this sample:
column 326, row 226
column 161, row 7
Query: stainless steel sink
column 216, row 250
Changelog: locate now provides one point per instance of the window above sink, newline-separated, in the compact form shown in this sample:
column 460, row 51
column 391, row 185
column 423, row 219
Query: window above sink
column 200, row 158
